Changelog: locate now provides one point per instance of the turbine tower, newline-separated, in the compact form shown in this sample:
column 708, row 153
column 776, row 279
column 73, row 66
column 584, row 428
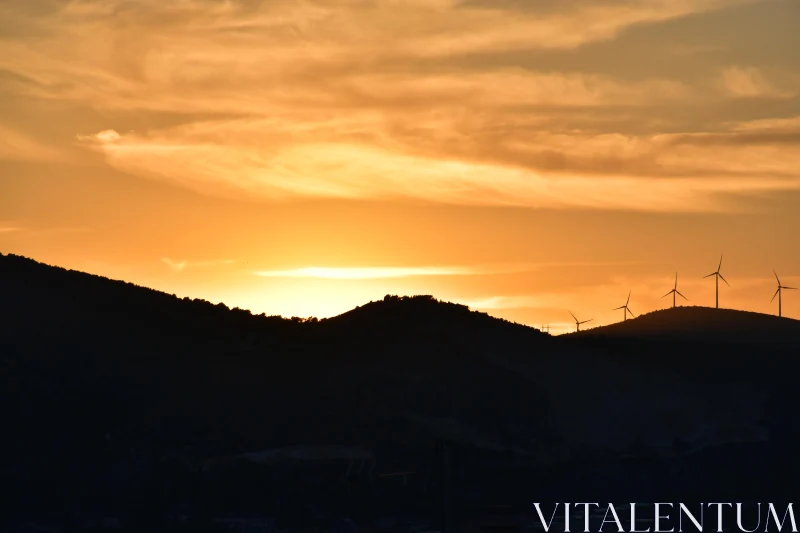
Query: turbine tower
column 675, row 291
column 780, row 291
column 718, row 276
column 578, row 322
column 625, row 308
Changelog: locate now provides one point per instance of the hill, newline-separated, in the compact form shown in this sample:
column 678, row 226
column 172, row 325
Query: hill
column 125, row 401
column 703, row 324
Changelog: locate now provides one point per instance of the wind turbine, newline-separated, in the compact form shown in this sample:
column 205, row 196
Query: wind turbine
column 718, row 276
column 780, row 291
column 675, row 291
column 578, row 323
column 625, row 308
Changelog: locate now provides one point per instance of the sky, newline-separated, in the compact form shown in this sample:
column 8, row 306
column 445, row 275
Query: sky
column 304, row 157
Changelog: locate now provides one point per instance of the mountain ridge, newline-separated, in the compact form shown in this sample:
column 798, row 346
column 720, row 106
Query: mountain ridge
column 667, row 324
column 697, row 323
column 390, row 307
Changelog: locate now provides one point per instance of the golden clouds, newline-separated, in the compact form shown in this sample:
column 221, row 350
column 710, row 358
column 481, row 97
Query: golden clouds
column 271, row 161
column 375, row 100
column 105, row 136
column 750, row 82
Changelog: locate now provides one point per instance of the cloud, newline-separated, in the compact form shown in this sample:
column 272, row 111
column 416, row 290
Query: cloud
column 177, row 266
column 9, row 228
column 274, row 161
column 181, row 265
column 16, row 145
column 374, row 100
column 360, row 273
column 787, row 125
column 750, row 82
column 503, row 88
column 237, row 55
column 105, row 136
column 505, row 302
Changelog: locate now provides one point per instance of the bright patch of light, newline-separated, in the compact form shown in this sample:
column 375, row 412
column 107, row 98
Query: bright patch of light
column 365, row 272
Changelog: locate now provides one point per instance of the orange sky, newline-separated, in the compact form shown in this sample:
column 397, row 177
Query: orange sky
column 304, row 157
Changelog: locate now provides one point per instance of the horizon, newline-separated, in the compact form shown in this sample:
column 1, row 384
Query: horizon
column 304, row 158
column 562, row 328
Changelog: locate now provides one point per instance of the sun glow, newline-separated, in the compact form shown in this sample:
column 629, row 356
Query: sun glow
column 364, row 272
column 304, row 158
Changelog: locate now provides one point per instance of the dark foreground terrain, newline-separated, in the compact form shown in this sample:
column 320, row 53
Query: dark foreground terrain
column 132, row 409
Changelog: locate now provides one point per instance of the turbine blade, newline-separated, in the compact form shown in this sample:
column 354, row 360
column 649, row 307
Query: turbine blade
column 670, row 292
column 629, row 298
column 790, row 288
column 776, row 276
column 723, row 279
column 676, row 281
column 712, row 274
column 774, row 295
column 618, row 308
column 573, row 316
column 682, row 296
column 720, row 263
column 631, row 312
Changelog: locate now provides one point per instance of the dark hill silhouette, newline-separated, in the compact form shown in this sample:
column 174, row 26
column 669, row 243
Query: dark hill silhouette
column 704, row 324
column 124, row 401
column 425, row 317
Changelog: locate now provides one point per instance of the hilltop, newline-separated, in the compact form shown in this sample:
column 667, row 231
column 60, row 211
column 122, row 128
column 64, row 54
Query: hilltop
column 425, row 317
column 129, row 401
column 702, row 324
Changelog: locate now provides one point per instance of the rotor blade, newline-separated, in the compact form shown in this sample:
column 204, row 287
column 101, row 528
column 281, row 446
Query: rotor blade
column 573, row 316
column 723, row 279
column 631, row 312
column 670, row 292
column 774, row 295
column 720, row 263
column 585, row 321
column 676, row 281
column 629, row 298
column 682, row 296
column 618, row 308
column 776, row 276
column 712, row 274
column 790, row 288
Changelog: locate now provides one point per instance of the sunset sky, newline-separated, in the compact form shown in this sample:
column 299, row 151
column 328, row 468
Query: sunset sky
column 303, row 157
